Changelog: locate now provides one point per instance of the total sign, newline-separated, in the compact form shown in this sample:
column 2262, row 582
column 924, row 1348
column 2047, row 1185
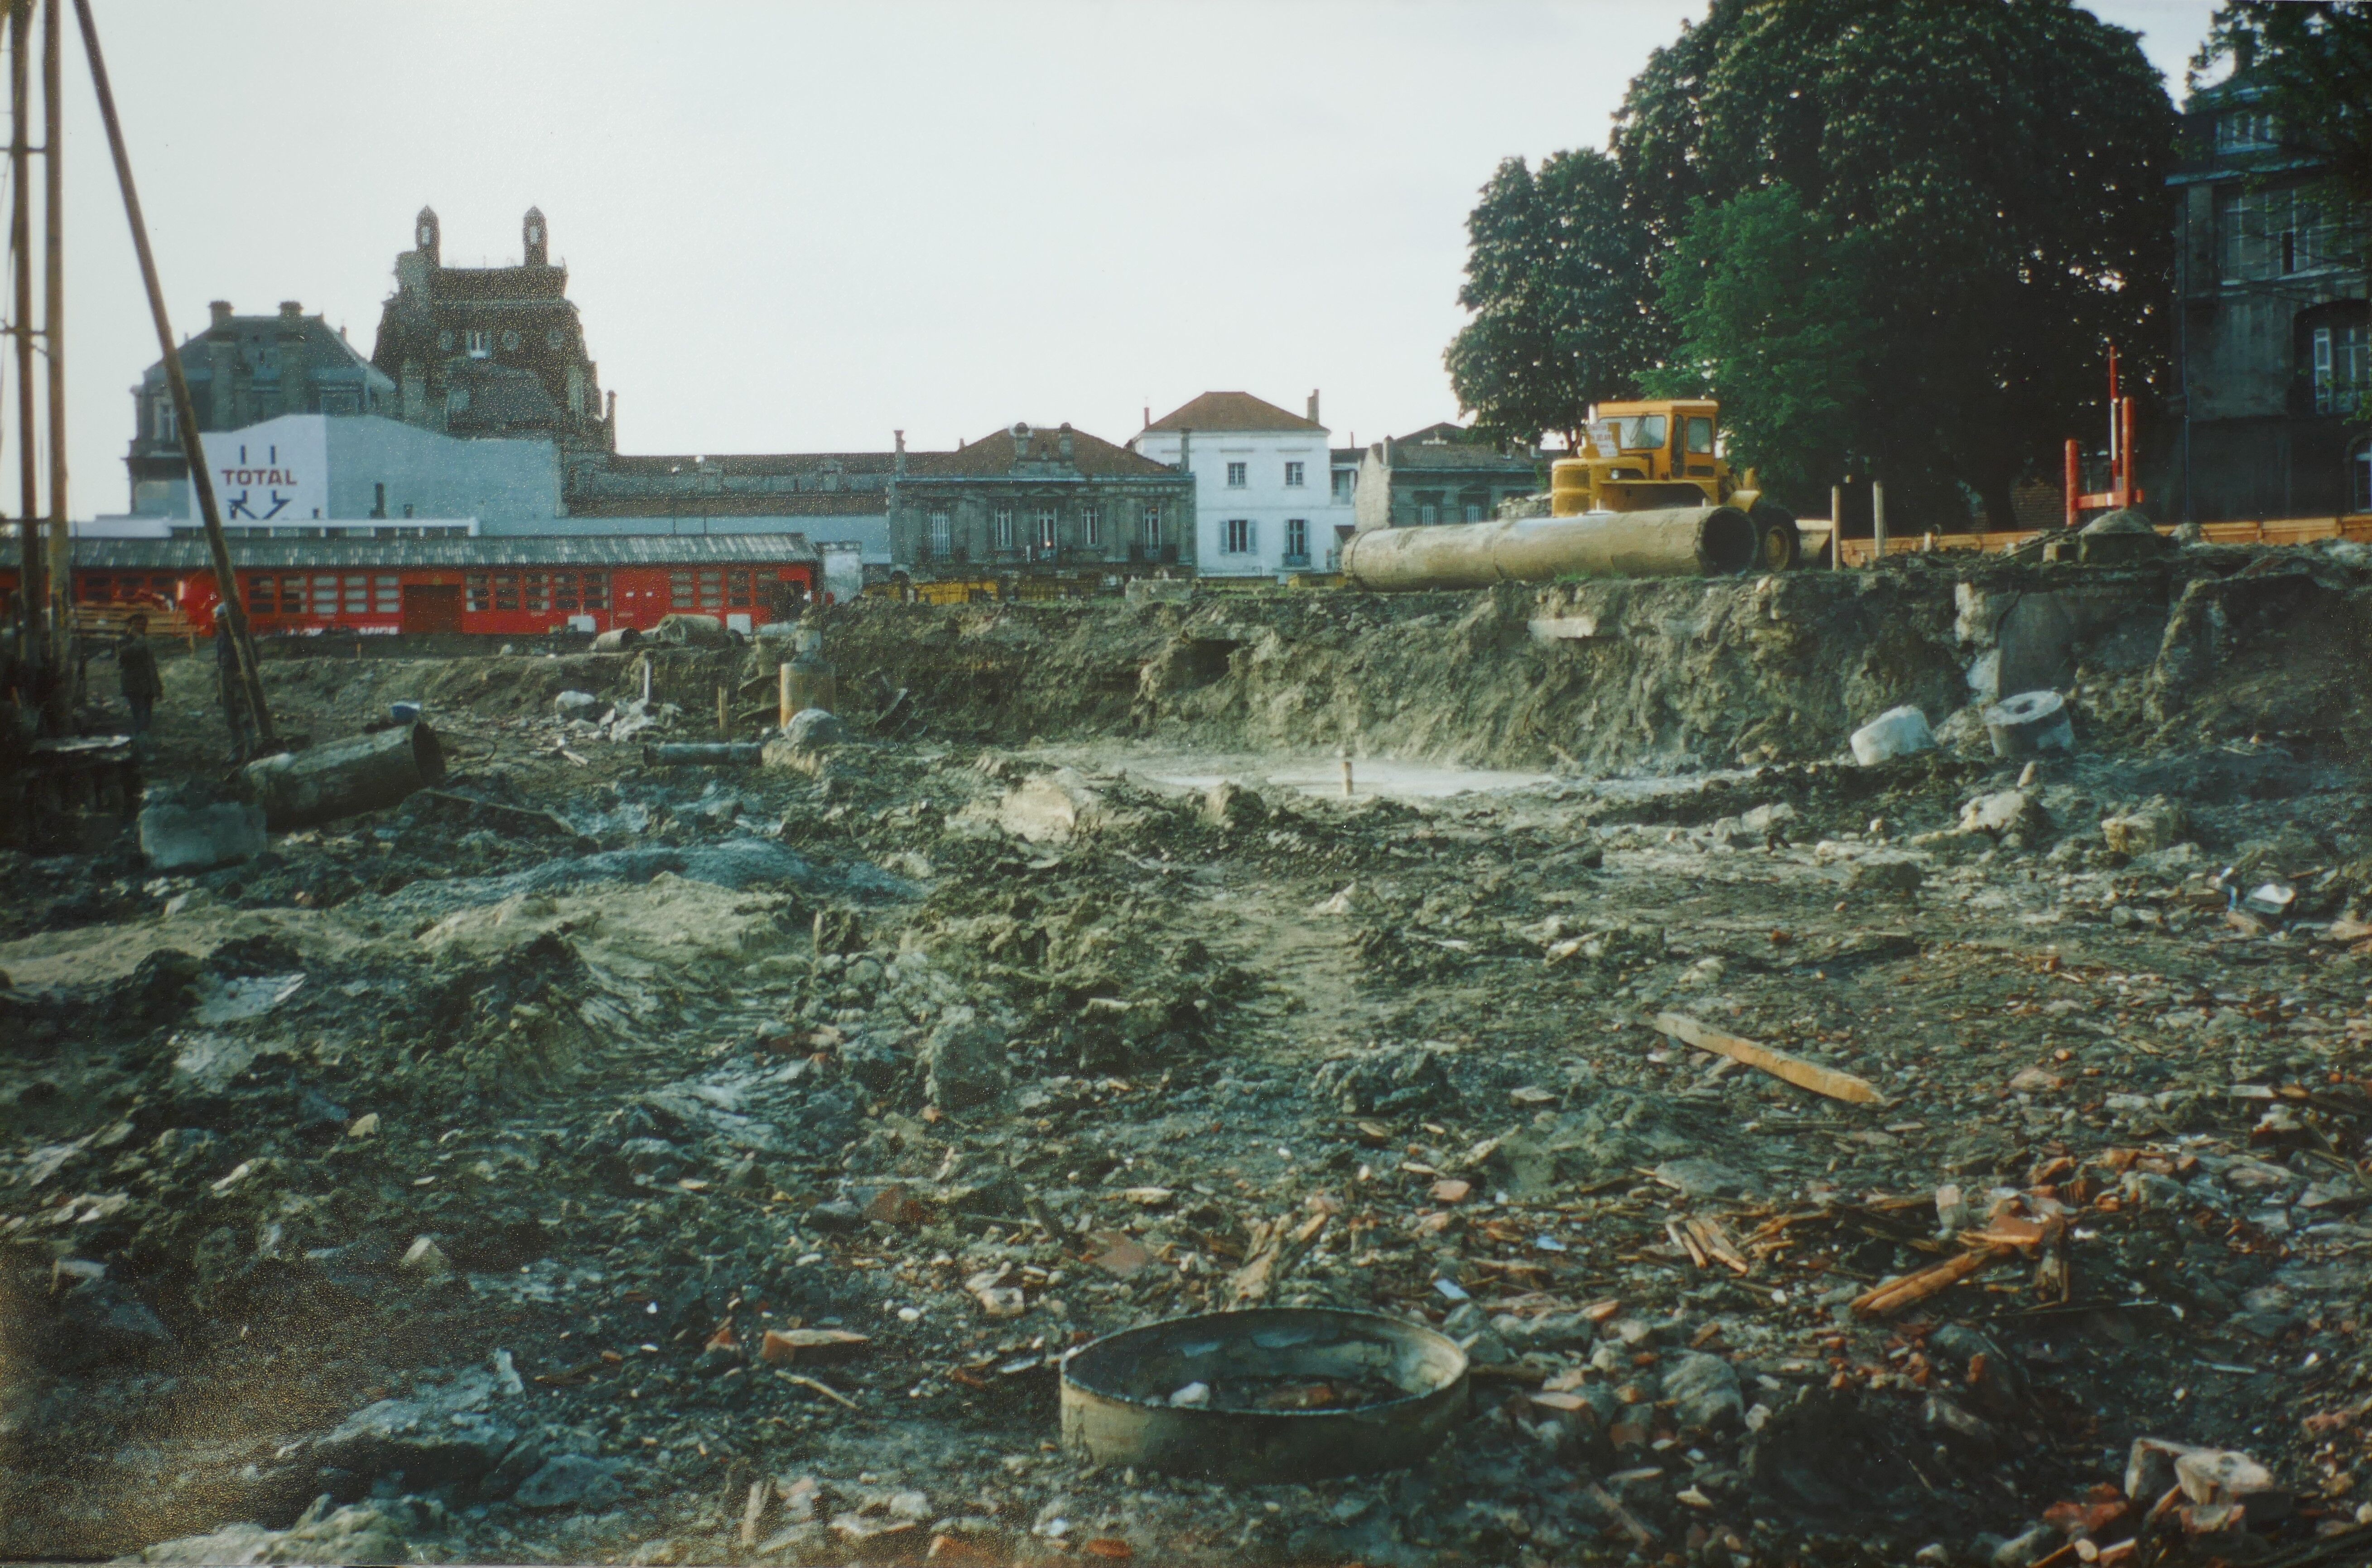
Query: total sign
column 274, row 472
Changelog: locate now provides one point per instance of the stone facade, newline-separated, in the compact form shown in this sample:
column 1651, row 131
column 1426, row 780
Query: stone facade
column 1439, row 475
column 491, row 351
column 1025, row 501
column 243, row 370
column 2272, row 341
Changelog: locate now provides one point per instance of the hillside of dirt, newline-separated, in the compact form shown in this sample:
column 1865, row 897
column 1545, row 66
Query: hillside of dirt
column 599, row 1159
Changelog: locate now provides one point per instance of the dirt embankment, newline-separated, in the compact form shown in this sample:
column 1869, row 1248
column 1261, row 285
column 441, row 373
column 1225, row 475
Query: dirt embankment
column 1650, row 676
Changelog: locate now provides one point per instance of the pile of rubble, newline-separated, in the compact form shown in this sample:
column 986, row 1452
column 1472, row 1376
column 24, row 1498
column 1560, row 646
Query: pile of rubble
column 1945, row 1160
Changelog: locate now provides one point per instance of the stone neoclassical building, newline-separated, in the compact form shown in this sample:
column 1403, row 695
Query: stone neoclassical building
column 1035, row 501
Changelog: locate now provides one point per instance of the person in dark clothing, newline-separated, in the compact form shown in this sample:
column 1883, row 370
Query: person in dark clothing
column 135, row 665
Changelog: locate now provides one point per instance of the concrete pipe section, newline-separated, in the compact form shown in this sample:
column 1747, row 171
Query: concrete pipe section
column 365, row 773
column 1273, row 1394
column 1683, row 542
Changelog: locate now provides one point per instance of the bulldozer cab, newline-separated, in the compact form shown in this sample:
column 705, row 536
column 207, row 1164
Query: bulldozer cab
column 1639, row 457
column 1667, row 440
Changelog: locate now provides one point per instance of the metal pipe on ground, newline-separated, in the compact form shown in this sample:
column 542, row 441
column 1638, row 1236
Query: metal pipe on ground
column 345, row 778
column 1684, row 541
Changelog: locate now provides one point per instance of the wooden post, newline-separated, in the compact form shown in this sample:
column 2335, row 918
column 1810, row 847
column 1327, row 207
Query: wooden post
column 231, row 607
column 2074, row 480
column 2124, row 454
column 783, row 698
column 725, row 711
column 54, row 334
column 1836, row 526
column 33, row 593
column 1877, row 522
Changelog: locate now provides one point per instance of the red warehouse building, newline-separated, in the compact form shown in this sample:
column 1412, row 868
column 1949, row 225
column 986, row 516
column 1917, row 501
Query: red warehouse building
column 502, row 586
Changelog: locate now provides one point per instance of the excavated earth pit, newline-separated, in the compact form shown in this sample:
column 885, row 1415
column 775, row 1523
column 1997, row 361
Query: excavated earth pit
column 596, row 1161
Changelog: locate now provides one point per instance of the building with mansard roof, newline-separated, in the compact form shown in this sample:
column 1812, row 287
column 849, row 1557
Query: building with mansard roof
column 491, row 351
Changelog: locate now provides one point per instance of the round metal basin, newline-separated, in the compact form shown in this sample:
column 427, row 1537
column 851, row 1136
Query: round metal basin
column 1287, row 1393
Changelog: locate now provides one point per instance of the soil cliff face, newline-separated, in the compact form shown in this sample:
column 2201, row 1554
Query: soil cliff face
column 1653, row 676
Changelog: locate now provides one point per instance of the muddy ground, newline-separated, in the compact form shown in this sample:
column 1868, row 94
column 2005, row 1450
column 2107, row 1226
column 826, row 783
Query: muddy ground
column 426, row 1188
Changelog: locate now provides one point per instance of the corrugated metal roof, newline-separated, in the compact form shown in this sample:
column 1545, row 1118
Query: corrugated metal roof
column 538, row 549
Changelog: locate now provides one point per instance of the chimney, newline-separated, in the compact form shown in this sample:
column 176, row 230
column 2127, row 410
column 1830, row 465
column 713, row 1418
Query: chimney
column 221, row 308
column 1063, row 441
column 532, row 244
column 1185, row 439
column 1313, row 405
column 1148, row 418
column 900, row 464
column 291, row 312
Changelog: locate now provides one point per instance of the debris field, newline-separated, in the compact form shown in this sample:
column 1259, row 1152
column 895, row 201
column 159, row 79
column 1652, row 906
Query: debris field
column 593, row 1159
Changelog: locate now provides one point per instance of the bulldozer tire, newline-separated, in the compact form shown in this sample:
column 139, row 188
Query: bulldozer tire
column 1774, row 527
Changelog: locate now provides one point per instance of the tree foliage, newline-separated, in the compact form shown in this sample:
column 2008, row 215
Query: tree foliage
column 1557, row 278
column 2315, row 60
column 1996, row 173
column 1765, row 301
column 2002, row 164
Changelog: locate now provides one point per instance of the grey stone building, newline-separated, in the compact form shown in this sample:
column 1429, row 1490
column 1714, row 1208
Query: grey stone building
column 491, row 351
column 2272, row 344
column 243, row 370
column 1028, row 501
column 1439, row 475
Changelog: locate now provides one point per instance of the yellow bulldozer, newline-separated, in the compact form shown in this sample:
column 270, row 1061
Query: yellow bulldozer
column 1641, row 457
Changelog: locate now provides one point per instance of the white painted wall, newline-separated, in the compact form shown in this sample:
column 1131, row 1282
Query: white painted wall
column 1264, row 501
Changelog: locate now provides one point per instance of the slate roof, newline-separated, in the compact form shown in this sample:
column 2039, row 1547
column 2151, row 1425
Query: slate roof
column 501, row 399
column 997, row 455
column 328, row 355
column 1231, row 411
column 189, row 553
column 728, row 504
column 754, row 464
column 1445, row 446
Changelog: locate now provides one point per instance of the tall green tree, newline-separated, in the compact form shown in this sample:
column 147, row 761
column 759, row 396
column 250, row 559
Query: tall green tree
column 1557, row 277
column 2315, row 60
column 1765, row 302
column 2002, row 164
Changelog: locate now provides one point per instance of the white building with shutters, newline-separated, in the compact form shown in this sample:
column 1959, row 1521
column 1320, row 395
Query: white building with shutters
column 1267, row 502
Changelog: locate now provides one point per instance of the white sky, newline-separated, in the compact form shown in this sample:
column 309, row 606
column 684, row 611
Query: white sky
column 797, row 228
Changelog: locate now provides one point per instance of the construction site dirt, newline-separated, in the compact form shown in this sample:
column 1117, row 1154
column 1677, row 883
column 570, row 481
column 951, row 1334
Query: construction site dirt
column 593, row 1159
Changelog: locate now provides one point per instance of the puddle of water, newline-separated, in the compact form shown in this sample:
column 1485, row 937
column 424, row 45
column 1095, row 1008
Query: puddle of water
column 1321, row 774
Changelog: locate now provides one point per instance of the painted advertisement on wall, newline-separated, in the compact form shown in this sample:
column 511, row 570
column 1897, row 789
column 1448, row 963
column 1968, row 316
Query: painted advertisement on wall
column 278, row 471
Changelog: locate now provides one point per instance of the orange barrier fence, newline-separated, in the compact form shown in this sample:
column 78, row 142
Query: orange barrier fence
column 2266, row 530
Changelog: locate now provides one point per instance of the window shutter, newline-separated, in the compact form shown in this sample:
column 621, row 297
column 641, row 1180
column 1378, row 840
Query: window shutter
column 1252, row 537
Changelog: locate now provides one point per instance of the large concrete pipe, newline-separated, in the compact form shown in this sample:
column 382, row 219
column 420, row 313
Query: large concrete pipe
column 368, row 773
column 1685, row 541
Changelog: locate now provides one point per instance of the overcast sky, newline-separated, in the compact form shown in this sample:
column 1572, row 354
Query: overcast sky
column 797, row 228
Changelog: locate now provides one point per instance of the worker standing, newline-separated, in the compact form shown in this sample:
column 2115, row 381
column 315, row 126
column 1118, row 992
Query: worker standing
column 135, row 665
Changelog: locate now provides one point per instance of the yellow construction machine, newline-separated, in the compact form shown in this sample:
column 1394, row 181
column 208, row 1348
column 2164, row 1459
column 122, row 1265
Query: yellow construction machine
column 1656, row 456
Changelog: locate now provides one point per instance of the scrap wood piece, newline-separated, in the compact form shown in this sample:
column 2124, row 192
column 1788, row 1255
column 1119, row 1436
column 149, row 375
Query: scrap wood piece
column 1778, row 1063
column 1893, row 1295
column 1686, row 1243
column 1640, row 1533
column 781, row 1345
column 1275, row 1246
column 1713, row 1237
column 826, row 1389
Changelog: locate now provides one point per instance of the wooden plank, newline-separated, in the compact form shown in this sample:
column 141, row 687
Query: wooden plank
column 1778, row 1063
column 1895, row 1294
